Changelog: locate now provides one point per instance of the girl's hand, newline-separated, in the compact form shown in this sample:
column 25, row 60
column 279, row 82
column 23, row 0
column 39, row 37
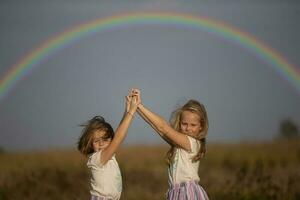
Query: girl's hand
column 135, row 100
column 128, row 101
column 136, row 92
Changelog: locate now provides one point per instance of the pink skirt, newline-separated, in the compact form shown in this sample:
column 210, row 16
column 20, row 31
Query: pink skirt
column 190, row 190
column 99, row 198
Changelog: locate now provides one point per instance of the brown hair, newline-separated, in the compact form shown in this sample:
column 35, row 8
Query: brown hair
column 84, row 144
column 199, row 109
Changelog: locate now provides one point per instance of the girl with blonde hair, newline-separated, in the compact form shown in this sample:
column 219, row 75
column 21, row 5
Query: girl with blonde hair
column 186, row 135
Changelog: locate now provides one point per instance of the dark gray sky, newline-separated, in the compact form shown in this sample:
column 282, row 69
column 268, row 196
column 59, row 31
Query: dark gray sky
column 245, row 98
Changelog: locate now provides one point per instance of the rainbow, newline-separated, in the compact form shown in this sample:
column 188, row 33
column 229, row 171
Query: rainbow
column 277, row 62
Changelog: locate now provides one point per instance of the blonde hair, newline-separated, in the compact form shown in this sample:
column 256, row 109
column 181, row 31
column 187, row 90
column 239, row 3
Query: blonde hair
column 84, row 144
column 195, row 107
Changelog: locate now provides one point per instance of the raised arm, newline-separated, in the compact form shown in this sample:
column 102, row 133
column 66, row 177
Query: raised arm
column 121, row 131
column 127, row 106
column 153, row 126
column 162, row 127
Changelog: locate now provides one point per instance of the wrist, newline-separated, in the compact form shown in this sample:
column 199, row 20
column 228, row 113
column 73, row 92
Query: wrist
column 139, row 105
column 130, row 113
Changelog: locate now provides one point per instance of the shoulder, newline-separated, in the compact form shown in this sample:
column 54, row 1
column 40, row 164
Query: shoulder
column 195, row 144
column 95, row 158
column 94, row 154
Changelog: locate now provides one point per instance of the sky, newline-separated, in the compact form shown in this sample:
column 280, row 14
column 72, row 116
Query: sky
column 245, row 98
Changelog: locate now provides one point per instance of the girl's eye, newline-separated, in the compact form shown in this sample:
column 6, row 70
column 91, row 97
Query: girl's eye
column 98, row 140
column 101, row 139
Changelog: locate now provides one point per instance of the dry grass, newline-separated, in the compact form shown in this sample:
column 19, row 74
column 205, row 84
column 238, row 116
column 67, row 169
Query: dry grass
column 229, row 171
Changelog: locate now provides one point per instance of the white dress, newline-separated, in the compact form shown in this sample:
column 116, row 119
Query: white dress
column 182, row 168
column 106, row 180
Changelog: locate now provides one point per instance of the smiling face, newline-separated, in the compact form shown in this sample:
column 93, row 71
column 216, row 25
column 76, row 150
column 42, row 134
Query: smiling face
column 190, row 123
column 100, row 140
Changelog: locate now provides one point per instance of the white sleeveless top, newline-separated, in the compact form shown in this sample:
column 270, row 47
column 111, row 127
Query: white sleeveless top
column 106, row 180
column 182, row 168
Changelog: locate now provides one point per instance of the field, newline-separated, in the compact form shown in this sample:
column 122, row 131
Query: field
column 229, row 171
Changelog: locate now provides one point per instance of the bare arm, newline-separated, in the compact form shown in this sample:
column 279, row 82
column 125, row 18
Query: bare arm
column 127, row 106
column 152, row 125
column 162, row 127
column 120, row 133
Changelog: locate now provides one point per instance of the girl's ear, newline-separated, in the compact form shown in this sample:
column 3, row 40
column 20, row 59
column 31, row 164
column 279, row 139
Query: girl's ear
column 201, row 125
column 200, row 130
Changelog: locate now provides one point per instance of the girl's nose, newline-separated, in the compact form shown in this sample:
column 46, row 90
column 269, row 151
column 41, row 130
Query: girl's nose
column 100, row 142
column 188, row 128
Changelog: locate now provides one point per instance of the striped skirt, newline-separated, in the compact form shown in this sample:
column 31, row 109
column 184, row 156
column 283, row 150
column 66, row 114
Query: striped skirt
column 190, row 190
column 99, row 198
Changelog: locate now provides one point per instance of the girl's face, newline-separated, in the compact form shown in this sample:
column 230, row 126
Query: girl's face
column 190, row 123
column 99, row 141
